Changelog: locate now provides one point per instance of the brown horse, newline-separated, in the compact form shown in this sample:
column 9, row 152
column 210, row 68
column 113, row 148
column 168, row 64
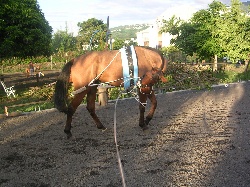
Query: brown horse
column 87, row 71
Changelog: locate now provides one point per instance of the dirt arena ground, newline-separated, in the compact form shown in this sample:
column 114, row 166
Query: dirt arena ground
column 196, row 139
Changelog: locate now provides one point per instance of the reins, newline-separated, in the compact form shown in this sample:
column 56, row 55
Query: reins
column 148, row 80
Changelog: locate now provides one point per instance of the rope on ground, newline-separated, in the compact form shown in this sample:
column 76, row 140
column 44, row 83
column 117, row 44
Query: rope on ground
column 115, row 135
column 116, row 145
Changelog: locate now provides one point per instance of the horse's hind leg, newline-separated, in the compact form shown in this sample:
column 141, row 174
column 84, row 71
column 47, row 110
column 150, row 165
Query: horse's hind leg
column 153, row 106
column 91, row 97
column 76, row 101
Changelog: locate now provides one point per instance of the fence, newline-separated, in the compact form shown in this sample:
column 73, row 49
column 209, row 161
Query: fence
column 20, row 68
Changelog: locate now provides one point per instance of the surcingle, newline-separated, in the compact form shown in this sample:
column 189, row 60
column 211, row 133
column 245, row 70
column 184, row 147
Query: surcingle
column 130, row 66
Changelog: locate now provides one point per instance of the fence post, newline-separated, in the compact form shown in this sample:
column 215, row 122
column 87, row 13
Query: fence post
column 37, row 77
column 51, row 58
column 102, row 95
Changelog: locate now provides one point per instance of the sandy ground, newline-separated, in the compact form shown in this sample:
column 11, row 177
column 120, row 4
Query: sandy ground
column 196, row 138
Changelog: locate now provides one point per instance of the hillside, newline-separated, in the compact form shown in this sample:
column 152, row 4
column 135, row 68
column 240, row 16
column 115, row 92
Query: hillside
column 246, row 6
column 247, row 3
column 127, row 31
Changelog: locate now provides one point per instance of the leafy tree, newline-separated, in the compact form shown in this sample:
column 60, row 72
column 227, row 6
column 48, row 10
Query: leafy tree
column 208, row 25
column 216, row 31
column 24, row 29
column 235, row 34
column 118, row 44
column 63, row 41
column 174, row 54
column 184, row 34
column 172, row 25
column 132, row 42
column 92, row 32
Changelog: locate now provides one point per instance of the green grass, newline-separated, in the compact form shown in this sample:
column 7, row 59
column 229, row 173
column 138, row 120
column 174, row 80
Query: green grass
column 32, row 107
column 232, row 76
column 24, row 104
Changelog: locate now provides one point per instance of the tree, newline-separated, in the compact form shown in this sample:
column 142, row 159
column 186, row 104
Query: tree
column 208, row 25
column 24, row 29
column 118, row 44
column 214, row 32
column 174, row 54
column 63, row 41
column 184, row 32
column 172, row 25
column 246, row 50
column 235, row 33
column 92, row 32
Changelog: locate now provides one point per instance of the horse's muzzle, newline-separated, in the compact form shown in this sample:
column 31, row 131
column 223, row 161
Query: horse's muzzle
column 163, row 79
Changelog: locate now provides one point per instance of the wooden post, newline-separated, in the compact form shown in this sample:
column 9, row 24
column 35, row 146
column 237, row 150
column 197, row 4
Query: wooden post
column 215, row 65
column 51, row 64
column 6, row 111
column 246, row 65
column 2, row 78
column 102, row 95
column 37, row 77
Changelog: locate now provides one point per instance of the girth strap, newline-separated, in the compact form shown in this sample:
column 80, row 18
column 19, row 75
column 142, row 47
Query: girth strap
column 130, row 66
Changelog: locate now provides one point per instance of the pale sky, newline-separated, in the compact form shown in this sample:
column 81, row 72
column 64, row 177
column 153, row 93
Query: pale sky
column 120, row 12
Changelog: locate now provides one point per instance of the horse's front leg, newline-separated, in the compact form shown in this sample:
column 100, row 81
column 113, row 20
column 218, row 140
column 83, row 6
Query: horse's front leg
column 142, row 105
column 153, row 106
column 91, row 97
column 76, row 101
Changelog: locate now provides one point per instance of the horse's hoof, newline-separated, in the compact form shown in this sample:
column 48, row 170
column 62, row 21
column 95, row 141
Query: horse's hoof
column 69, row 135
column 104, row 129
column 145, row 127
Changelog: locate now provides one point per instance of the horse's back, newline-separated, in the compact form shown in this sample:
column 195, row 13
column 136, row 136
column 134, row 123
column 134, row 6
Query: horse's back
column 88, row 66
column 108, row 65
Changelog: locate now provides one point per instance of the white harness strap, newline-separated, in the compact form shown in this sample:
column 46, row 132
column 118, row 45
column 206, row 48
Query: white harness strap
column 79, row 90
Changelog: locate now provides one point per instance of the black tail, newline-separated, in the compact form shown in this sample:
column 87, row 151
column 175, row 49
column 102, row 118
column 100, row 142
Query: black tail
column 61, row 88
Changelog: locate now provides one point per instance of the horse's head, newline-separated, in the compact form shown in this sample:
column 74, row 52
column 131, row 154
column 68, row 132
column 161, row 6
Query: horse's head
column 157, row 75
column 153, row 76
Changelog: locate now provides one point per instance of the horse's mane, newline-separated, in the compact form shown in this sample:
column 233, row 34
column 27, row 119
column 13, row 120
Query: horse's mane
column 153, row 49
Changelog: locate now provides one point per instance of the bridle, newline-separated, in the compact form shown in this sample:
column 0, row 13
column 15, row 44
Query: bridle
column 149, row 79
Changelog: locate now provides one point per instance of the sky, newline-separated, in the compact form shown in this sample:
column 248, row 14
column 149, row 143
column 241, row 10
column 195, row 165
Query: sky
column 61, row 12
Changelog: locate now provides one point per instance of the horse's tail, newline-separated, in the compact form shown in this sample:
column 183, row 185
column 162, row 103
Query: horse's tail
column 61, row 88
